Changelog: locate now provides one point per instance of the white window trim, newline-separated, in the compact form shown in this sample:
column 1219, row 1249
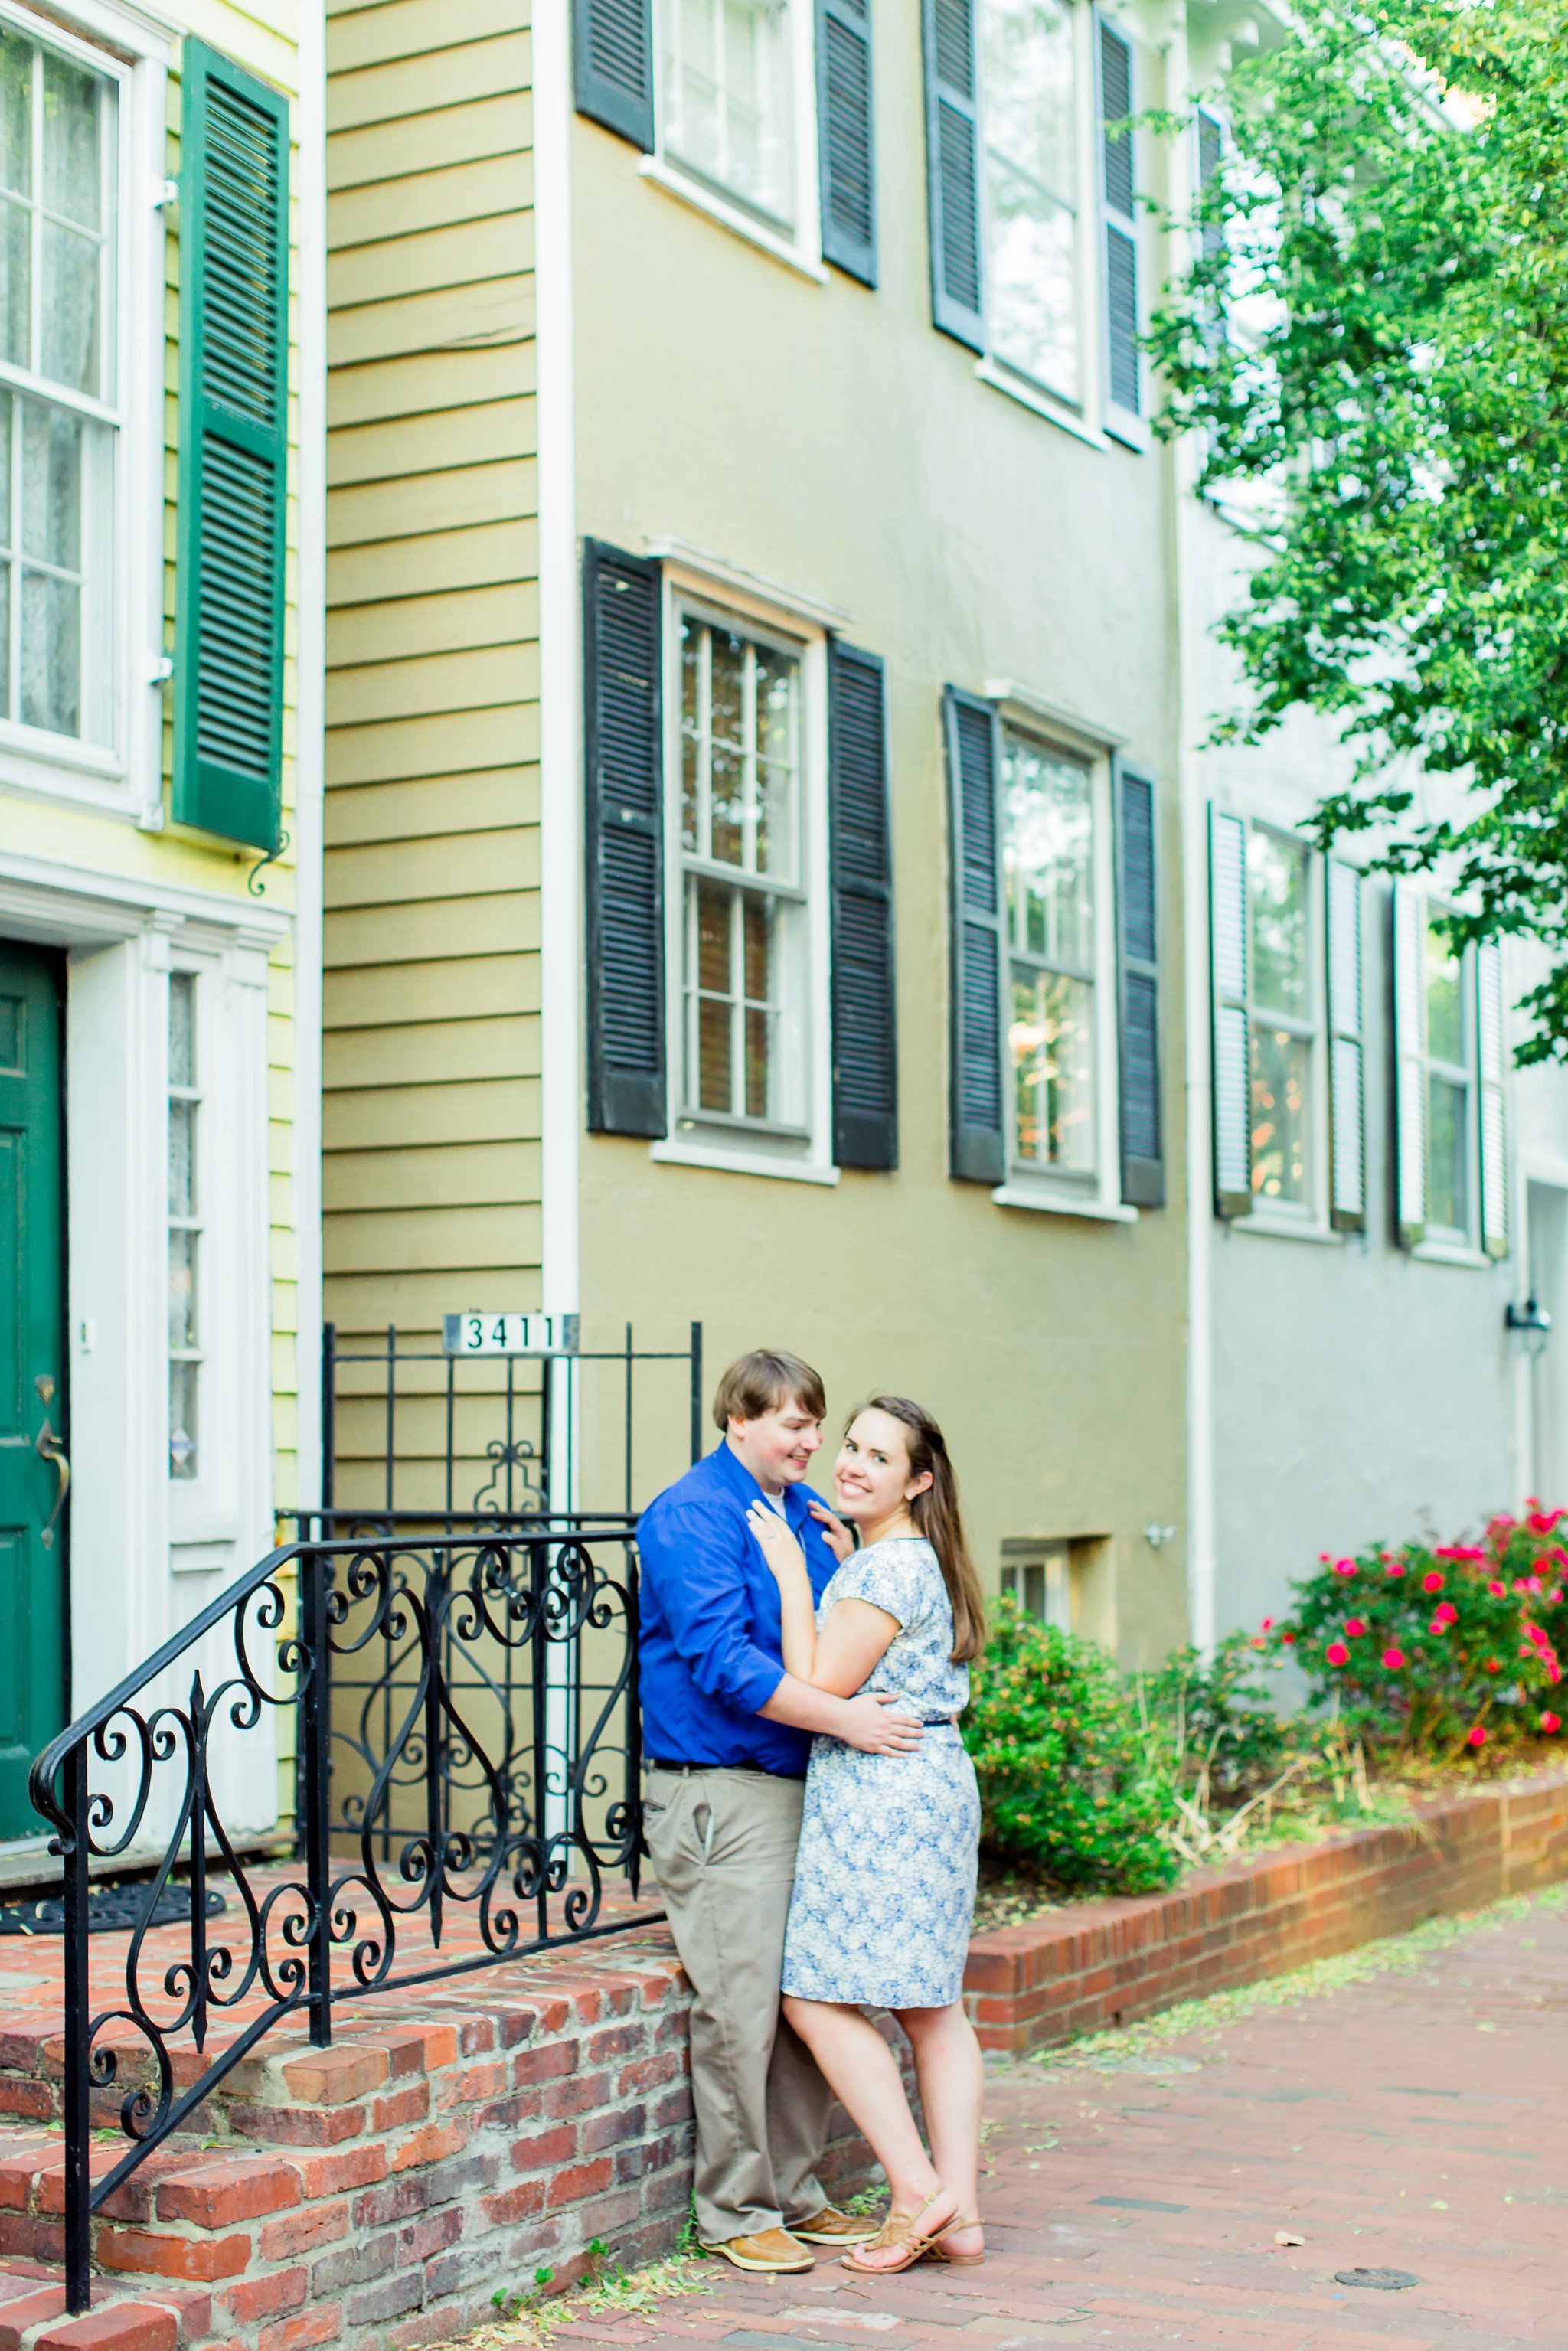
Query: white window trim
column 123, row 778
column 1284, row 1219
column 1098, row 1195
column 1085, row 416
column 802, row 249
column 1446, row 1244
column 689, row 1141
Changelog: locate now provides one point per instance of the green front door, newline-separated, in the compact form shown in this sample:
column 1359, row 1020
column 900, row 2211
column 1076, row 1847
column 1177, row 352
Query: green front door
column 31, row 1373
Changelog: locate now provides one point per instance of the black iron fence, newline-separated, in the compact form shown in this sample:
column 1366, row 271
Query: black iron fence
column 468, row 1748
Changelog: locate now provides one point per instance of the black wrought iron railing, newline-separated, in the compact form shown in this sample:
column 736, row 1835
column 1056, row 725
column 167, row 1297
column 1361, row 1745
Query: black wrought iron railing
column 468, row 1751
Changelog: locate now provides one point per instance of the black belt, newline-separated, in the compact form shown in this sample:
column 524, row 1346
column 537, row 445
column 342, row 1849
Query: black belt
column 672, row 1763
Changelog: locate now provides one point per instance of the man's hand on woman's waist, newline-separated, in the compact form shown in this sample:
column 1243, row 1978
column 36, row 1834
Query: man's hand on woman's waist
column 867, row 1721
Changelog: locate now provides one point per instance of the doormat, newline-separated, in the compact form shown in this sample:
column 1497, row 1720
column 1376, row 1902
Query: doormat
column 110, row 1910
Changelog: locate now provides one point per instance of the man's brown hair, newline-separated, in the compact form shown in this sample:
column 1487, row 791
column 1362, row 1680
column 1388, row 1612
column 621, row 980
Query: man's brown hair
column 763, row 1381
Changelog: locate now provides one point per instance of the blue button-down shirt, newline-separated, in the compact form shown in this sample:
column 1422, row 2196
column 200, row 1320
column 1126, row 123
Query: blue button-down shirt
column 711, row 1646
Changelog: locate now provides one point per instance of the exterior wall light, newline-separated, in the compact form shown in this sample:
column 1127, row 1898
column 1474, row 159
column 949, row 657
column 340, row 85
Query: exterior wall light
column 1529, row 1324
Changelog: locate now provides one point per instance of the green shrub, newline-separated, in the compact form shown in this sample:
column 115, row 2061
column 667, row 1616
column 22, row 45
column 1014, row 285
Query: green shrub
column 1433, row 1652
column 1215, row 1716
column 1068, row 1780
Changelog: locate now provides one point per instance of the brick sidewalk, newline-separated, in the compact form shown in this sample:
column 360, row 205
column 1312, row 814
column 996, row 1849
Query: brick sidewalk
column 1417, row 2122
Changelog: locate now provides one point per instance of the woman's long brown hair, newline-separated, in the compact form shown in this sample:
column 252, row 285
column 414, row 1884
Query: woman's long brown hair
column 935, row 1513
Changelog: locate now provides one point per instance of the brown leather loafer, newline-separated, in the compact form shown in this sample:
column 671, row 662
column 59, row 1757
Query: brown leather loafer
column 770, row 2249
column 831, row 2226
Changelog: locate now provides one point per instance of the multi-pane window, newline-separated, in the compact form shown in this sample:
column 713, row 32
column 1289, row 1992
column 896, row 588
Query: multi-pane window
column 742, row 906
column 1281, row 1027
column 1048, row 857
column 1030, row 189
column 56, row 387
column 1450, row 1082
column 726, row 98
column 184, row 1227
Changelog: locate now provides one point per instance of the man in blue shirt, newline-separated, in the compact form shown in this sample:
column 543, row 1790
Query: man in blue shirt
column 727, row 1735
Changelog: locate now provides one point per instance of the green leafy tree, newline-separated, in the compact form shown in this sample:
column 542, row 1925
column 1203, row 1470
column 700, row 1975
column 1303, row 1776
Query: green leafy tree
column 1387, row 245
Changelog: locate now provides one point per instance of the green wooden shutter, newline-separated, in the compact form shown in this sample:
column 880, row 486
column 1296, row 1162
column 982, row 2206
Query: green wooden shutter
column 845, row 143
column 1232, row 1041
column 624, row 841
column 1347, row 1083
column 234, row 450
column 977, row 1146
column 865, row 1062
column 1139, row 993
column 1409, row 1063
column 953, row 168
column 1491, row 1060
column 1123, row 368
column 613, row 66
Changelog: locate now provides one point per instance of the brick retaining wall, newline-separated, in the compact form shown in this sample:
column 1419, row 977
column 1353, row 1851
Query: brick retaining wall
column 1094, row 1964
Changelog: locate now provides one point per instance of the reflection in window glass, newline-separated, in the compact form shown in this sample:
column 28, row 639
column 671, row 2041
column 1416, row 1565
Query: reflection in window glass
column 1277, row 899
column 1448, row 1085
column 1279, row 1093
column 184, row 1227
column 1047, row 862
column 1445, row 1002
column 726, row 98
column 740, row 817
column 56, row 138
column 1031, row 228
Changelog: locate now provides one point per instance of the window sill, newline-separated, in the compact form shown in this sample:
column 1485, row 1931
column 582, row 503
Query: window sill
column 1452, row 1253
column 688, row 191
column 1055, row 1204
column 739, row 1163
column 1285, row 1229
column 1039, row 403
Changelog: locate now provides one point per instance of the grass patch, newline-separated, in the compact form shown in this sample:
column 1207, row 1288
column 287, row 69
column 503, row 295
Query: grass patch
column 529, row 2319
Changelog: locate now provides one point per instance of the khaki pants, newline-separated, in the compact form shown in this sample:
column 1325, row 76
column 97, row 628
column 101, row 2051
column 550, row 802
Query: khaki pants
column 724, row 1851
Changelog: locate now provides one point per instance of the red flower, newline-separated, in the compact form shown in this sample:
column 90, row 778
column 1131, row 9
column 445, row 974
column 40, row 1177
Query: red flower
column 1556, row 1597
column 1337, row 1653
column 1499, row 1590
column 1476, row 1736
column 1542, row 1521
column 1287, row 1639
column 1493, row 1666
column 1431, row 1580
column 1345, row 1567
column 1551, row 1722
column 1438, row 1624
column 1444, row 1612
column 1267, row 1626
column 1395, row 1567
column 1353, row 1627
column 1393, row 1659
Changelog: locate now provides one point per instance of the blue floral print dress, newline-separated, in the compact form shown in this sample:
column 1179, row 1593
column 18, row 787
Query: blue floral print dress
column 884, row 1880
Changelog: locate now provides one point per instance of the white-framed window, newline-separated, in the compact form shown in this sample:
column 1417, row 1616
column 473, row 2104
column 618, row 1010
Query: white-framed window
column 736, row 116
column 1050, row 897
column 1448, row 1052
column 185, row 1204
column 1284, row 1022
column 81, row 345
column 1037, row 1577
column 747, row 911
column 1060, row 301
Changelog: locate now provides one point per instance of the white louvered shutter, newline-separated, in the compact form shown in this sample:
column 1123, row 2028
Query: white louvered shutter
column 1228, row 954
column 1347, row 1072
column 1409, row 1063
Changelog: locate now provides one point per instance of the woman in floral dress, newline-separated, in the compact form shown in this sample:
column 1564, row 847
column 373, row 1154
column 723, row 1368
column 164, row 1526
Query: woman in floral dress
column 885, row 1882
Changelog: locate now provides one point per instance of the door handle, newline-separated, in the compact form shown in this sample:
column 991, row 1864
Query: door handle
column 47, row 1448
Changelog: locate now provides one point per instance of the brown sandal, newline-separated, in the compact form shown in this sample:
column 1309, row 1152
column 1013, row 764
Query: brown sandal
column 937, row 2252
column 898, row 2229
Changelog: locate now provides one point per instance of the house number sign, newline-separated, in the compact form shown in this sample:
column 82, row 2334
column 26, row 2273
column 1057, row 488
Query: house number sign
column 476, row 1333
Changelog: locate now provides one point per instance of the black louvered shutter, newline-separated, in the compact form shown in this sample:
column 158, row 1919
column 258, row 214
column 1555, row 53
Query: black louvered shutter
column 845, row 140
column 1123, row 386
column 1139, row 993
column 865, row 1060
column 613, row 66
column 953, row 169
column 623, row 837
column 976, row 1151
column 234, row 450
